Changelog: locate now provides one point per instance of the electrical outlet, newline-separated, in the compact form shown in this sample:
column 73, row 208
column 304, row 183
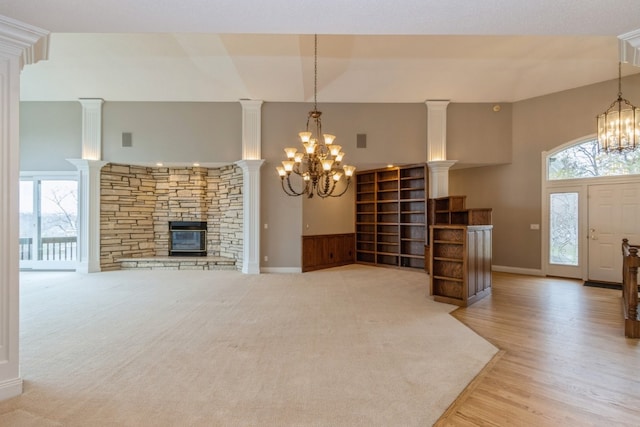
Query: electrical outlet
column 266, row 258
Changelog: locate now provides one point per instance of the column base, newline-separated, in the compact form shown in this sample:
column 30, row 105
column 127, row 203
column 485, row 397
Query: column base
column 10, row 388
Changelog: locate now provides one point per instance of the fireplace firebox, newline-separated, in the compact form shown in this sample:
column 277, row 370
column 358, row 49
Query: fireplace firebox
column 187, row 238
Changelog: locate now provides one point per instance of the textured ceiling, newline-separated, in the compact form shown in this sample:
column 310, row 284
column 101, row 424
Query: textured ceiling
column 369, row 51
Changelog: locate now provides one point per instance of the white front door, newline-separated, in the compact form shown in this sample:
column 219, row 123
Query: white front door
column 614, row 214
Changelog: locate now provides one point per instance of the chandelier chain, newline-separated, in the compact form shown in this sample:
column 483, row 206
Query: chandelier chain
column 619, row 79
column 315, row 72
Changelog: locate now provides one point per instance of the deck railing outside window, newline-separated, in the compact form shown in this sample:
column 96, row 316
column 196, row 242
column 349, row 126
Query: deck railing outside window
column 51, row 249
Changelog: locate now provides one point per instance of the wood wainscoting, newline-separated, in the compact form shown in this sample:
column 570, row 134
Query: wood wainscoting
column 327, row 250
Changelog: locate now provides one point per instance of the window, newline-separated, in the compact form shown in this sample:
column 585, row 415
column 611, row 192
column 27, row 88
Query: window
column 48, row 217
column 583, row 160
column 563, row 228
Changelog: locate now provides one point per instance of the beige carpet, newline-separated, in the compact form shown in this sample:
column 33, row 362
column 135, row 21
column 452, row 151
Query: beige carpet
column 351, row 346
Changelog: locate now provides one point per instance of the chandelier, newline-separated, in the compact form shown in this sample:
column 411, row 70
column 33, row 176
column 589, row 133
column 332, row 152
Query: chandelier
column 619, row 126
column 317, row 166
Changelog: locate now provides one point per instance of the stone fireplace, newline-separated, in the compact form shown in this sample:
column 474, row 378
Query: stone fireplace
column 137, row 203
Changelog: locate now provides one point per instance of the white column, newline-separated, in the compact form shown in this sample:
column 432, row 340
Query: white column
column 251, row 212
column 439, row 178
column 251, row 129
column 251, row 164
column 89, row 186
column 20, row 44
column 88, row 214
column 437, row 149
column 91, row 128
column 436, row 130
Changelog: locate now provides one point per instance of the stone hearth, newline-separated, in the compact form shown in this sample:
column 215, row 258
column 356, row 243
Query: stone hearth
column 178, row 263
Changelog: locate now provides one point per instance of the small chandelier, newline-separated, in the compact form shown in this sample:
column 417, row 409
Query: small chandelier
column 318, row 165
column 619, row 126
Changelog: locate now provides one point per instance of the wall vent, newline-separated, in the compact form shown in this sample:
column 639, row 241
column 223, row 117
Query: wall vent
column 127, row 140
column 361, row 140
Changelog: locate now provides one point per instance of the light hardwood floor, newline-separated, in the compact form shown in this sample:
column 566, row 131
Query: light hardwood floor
column 564, row 360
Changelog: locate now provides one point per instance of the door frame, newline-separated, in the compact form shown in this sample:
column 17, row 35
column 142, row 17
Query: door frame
column 576, row 272
column 580, row 185
column 34, row 263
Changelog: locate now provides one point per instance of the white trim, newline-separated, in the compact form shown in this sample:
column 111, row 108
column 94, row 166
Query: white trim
column 517, row 270
column 10, row 388
column 629, row 47
column 50, row 174
column 281, row 270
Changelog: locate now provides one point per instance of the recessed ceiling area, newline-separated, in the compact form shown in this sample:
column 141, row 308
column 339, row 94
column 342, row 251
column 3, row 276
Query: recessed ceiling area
column 368, row 51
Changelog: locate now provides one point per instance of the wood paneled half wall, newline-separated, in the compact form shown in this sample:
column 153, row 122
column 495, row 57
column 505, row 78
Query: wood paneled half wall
column 327, row 250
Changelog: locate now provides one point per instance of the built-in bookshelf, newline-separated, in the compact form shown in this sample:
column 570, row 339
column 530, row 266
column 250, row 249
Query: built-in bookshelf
column 460, row 270
column 391, row 216
column 452, row 210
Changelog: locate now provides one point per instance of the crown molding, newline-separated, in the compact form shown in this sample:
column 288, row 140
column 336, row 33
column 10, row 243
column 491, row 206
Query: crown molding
column 629, row 44
column 18, row 39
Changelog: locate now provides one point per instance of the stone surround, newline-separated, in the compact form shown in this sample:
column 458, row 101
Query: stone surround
column 137, row 203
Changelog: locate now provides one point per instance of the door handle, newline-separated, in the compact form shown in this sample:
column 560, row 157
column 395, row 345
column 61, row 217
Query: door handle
column 592, row 234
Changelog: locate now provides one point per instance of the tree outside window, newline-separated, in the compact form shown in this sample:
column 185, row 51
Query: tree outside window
column 585, row 161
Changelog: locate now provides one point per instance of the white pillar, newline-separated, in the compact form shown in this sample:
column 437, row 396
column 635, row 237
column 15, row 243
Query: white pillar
column 89, row 186
column 251, row 215
column 251, row 164
column 437, row 149
column 88, row 214
column 436, row 130
column 20, row 44
column 439, row 178
column 251, row 129
column 91, row 128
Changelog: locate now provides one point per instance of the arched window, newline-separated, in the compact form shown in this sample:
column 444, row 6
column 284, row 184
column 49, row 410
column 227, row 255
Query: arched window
column 583, row 160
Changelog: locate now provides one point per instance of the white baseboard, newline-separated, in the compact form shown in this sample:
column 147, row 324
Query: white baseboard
column 517, row 270
column 10, row 388
column 286, row 270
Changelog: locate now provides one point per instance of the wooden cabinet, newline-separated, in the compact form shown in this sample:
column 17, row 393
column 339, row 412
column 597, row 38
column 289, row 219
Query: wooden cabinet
column 328, row 250
column 460, row 263
column 391, row 216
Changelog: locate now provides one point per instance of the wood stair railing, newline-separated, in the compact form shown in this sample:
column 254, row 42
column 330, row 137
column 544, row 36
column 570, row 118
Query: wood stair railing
column 630, row 264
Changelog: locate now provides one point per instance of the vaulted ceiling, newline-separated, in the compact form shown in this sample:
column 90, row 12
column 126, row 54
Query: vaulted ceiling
column 368, row 51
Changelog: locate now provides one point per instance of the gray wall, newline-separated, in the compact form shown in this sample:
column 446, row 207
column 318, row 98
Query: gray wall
column 477, row 135
column 50, row 133
column 395, row 133
column 514, row 190
column 172, row 132
column 510, row 141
